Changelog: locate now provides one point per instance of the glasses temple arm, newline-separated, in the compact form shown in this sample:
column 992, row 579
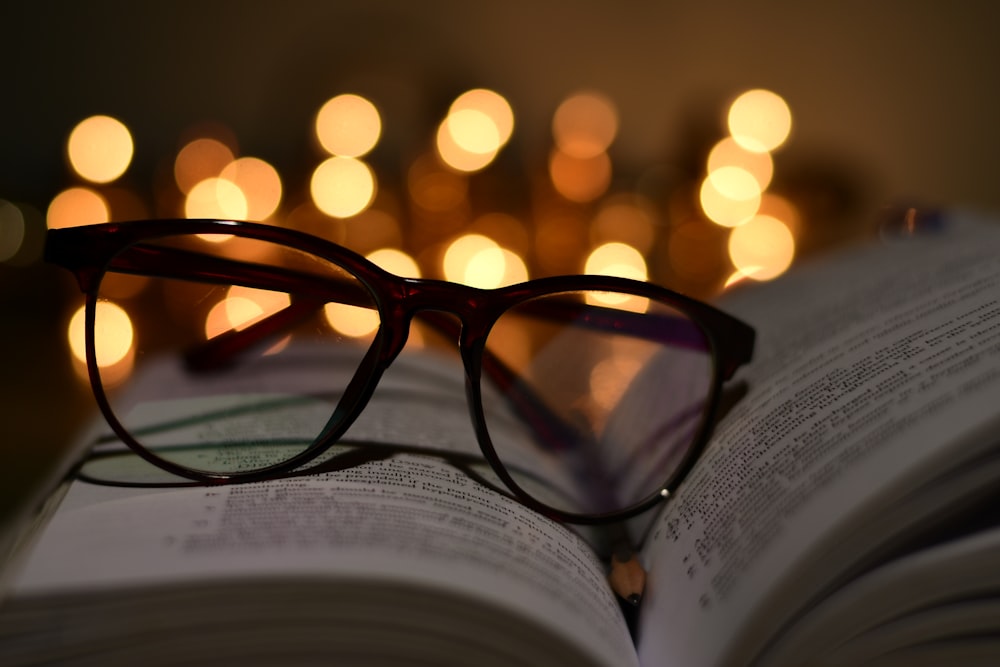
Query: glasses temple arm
column 163, row 262
column 148, row 260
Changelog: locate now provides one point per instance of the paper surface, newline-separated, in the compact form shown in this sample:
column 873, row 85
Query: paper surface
column 871, row 372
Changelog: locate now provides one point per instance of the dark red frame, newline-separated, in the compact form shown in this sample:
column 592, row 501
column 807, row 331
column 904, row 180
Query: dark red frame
column 90, row 251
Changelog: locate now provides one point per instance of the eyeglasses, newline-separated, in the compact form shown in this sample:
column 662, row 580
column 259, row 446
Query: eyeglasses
column 590, row 396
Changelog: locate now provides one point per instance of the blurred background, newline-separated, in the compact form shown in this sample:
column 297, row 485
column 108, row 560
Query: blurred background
column 696, row 145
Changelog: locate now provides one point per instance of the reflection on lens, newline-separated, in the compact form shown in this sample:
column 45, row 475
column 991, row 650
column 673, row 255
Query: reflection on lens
column 265, row 381
column 607, row 402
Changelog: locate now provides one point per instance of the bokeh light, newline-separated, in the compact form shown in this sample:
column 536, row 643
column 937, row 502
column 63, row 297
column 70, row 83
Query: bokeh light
column 77, row 206
column 729, row 153
column 493, row 105
column 231, row 313
column 351, row 321
column 473, row 128
column 246, row 305
column 580, row 179
column 478, row 124
column 200, row 159
column 242, row 307
column 781, row 208
column 342, row 187
column 735, row 183
column 514, row 269
column 473, row 131
column 762, row 248
column 348, row 125
column 726, row 210
column 259, row 183
column 395, row 261
column 616, row 259
column 216, row 198
column 625, row 221
column 484, row 230
column 585, row 124
column 623, row 261
column 476, row 260
column 100, row 149
column 113, row 334
column 12, row 230
column 759, row 120
column 237, row 313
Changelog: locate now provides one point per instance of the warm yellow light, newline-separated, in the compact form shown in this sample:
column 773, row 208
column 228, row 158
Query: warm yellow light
column 258, row 182
column 113, row 334
column 231, row 313
column 485, row 269
column 763, row 248
column 12, row 230
column 342, row 186
column 724, row 210
column 580, row 179
column 348, row 125
column 739, row 276
column 473, row 131
column 515, row 271
column 735, row 183
column 246, row 305
column 236, row 312
column 216, row 198
column 100, row 149
column 779, row 207
column 352, row 321
column 242, row 307
column 623, row 261
column 198, row 160
column 625, row 221
column 77, row 206
column 729, row 153
column 585, row 124
column 760, row 120
column 395, row 261
column 491, row 103
column 474, row 258
column 616, row 259
column 459, row 158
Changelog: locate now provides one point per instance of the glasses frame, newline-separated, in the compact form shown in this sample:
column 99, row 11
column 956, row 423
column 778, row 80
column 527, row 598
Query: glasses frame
column 90, row 251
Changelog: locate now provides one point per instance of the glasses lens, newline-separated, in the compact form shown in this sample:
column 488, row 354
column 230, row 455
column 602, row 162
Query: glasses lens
column 228, row 354
column 593, row 400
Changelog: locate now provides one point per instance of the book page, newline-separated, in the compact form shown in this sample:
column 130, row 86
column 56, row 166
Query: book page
column 410, row 519
column 941, row 592
column 874, row 372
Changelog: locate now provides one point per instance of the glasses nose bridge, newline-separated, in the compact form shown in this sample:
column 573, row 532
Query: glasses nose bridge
column 437, row 296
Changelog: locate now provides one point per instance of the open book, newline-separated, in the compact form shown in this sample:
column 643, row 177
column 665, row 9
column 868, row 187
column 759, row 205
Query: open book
column 844, row 513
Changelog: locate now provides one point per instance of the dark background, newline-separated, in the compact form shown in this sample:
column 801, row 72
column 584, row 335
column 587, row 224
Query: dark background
column 893, row 101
